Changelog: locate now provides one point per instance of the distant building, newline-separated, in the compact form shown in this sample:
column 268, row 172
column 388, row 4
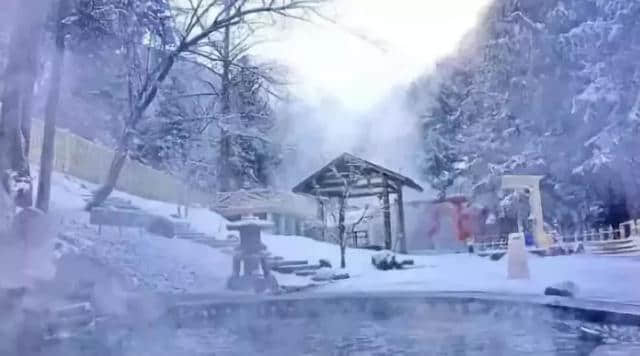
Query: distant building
column 287, row 211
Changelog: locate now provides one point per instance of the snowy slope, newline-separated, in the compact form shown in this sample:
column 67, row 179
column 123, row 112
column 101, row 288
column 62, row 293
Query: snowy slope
column 144, row 262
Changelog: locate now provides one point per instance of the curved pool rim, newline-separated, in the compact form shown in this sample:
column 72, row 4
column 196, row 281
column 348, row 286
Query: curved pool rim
column 583, row 309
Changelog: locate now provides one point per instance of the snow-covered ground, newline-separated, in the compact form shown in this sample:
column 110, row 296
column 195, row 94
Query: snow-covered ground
column 155, row 263
column 598, row 277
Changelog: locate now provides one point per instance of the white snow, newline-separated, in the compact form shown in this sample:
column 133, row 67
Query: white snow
column 143, row 261
column 168, row 265
column 598, row 277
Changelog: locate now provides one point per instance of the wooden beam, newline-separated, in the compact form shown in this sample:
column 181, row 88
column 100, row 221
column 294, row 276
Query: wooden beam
column 386, row 212
column 353, row 192
column 340, row 187
column 363, row 180
column 401, row 236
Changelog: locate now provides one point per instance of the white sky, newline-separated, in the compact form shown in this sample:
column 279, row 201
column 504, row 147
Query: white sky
column 328, row 61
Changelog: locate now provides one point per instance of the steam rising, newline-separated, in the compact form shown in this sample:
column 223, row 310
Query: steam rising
column 351, row 75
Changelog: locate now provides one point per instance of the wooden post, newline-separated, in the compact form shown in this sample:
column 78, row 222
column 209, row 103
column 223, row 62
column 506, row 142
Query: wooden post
column 341, row 232
column 402, row 238
column 386, row 213
column 324, row 221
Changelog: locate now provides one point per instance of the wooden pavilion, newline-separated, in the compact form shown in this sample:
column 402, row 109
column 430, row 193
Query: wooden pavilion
column 349, row 176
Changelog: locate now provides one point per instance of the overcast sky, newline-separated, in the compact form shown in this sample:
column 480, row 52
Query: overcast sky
column 332, row 60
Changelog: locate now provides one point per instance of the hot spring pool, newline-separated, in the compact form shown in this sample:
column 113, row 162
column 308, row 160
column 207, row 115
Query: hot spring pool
column 370, row 325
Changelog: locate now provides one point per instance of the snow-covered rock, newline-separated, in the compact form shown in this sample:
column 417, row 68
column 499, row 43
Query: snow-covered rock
column 563, row 289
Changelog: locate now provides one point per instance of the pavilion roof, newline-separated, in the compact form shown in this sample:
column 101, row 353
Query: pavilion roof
column 370, row 179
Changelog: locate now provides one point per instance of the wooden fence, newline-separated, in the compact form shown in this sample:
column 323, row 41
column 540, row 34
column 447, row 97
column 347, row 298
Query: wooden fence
column 90, row 161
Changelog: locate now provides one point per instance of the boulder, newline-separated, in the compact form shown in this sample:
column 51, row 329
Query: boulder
column 588, row 334
column 324, row 263
column 564, row 289
column 167, row 227
column 340, row 276
column 385, row 261
column 162, row 226
column 496, row 256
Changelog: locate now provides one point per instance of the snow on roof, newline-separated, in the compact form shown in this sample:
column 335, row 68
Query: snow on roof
column 264, row 201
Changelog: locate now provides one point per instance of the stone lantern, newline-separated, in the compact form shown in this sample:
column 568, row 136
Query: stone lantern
column 250, row 267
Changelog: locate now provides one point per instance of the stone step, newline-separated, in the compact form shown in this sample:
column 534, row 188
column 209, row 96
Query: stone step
column 219, row 243
column 191, row 235
column 306, row 273
column 299, row 268
column 334, row 277
column 284, row 263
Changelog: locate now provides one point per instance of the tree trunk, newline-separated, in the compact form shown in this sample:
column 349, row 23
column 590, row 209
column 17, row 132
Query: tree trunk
column 341, row 230
column 19, row 78
column 7, row 210
column 51, row 112
column 141, row 102
column 386, row 214
column 225, row 178
column 402, row 237
column 119, row 159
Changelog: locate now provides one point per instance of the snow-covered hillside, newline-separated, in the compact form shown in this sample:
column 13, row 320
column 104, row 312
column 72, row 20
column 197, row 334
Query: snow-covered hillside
column 540, row 87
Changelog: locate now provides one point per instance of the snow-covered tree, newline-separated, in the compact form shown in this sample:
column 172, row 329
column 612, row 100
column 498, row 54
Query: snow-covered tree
column 196, row 25
column 543, row 87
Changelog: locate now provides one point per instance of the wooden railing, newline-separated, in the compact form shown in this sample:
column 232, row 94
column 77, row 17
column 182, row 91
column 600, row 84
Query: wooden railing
column 600, row 241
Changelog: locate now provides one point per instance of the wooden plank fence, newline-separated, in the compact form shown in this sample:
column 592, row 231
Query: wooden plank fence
column 90, row 161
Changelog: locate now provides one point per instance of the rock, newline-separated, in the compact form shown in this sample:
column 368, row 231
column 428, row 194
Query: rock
column 324, row 263
column 557, row 292
column 323, row 275
column 564, row 289
column 305, row 273
column 162, row 226
column 340, row 276
column 382, row 261
column 588, row 334
column 385, row 261
column 296, row 268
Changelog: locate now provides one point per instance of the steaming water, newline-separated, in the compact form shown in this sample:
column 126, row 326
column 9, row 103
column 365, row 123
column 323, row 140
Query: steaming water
column 411, row 331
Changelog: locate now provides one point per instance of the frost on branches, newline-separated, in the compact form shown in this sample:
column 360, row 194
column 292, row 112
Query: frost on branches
column 550, row 88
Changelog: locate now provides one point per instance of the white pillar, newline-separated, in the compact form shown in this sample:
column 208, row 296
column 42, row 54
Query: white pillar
column 517, row 264
column 535, row 200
